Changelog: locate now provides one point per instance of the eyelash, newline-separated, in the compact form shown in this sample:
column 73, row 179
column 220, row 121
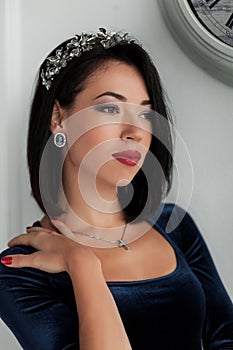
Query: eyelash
column 148, row 115
column 102, row 108
column 116, row 110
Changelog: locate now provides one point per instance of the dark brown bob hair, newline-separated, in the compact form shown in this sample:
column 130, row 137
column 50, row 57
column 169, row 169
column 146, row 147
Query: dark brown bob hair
column 152, row 182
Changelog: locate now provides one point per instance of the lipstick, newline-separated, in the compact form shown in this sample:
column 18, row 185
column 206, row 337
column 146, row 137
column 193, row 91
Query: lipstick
column 130, row 157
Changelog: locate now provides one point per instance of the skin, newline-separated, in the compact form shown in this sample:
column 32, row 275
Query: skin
column 56, row 252
column 120, row 136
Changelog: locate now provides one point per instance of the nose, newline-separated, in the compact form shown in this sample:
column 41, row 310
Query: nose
column 131, row 132
column 134, row 126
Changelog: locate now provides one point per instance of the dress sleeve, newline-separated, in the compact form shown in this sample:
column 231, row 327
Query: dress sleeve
column 34, row 310
column 218, row 326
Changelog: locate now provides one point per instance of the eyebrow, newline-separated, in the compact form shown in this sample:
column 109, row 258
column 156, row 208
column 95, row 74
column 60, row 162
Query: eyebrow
column 120, row 97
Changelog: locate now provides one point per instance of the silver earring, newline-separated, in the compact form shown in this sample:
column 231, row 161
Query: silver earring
column 60, row 139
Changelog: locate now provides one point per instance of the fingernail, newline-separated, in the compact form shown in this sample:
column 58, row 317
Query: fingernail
column 28, row 227
column 7, row 260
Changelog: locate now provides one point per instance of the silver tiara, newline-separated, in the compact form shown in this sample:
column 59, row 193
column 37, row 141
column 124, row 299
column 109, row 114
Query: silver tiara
column 76, row 46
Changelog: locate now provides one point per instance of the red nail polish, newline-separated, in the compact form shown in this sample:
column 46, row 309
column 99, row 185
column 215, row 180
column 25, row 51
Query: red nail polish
column 7, row 260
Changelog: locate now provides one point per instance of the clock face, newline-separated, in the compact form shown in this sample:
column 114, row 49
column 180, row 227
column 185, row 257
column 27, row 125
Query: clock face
column 216, row 16
column 204, row 29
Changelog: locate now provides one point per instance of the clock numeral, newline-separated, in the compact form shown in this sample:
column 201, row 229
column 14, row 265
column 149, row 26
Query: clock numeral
column 213, row 3
column 229, row 23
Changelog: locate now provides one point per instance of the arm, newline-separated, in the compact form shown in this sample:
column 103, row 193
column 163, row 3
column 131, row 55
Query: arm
column 100, row 325
column 34, row 305
column 218, row 326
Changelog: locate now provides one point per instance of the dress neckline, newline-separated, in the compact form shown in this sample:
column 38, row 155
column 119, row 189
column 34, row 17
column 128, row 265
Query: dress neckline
column 155, row 279
column 148, row 280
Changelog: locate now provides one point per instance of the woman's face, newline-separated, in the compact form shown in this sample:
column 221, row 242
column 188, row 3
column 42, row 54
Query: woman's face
column 113, row 112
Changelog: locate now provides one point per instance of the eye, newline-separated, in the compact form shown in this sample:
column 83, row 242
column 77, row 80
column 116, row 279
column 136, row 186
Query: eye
column 147, row 115
column 109, row 109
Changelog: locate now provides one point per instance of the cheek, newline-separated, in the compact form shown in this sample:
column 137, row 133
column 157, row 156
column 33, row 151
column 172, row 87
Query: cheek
column 88, row 142
column 96, row 137
column 147, row 140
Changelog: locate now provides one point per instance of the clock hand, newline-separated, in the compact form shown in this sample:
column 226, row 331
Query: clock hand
column 213, row 3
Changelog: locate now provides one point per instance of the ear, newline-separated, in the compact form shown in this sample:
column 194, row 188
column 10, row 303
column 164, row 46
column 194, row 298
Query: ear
column 58, row 115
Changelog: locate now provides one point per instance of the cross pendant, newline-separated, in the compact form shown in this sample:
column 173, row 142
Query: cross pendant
column 122, row 243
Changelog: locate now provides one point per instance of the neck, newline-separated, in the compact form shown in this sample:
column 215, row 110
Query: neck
column 96, row 207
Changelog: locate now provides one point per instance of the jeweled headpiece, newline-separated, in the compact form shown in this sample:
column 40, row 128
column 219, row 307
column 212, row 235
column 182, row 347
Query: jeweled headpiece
column 76, row 46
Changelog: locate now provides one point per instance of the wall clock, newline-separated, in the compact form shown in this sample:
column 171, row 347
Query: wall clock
column 204, row 29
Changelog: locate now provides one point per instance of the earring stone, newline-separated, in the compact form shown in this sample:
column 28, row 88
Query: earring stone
column 59, row 139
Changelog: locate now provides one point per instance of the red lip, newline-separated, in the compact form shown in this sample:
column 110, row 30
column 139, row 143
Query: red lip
column 130, row 158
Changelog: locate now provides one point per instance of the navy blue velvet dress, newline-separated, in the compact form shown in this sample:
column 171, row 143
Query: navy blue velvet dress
column 185, row 310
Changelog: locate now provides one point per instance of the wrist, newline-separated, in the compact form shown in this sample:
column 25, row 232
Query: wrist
column 82, row 260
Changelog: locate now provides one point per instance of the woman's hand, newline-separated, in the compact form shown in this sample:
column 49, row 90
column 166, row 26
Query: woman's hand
column 55, row 252
column 94, row 301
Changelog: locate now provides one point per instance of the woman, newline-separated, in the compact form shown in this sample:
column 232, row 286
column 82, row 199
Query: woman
column 98, row 270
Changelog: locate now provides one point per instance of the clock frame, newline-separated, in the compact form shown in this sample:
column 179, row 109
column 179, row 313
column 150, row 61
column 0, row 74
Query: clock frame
column 206, row 49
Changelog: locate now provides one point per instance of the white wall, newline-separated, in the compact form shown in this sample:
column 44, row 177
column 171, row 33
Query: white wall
column 202, row 107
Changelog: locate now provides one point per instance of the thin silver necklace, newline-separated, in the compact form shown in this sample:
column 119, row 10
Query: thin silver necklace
column 120, row 242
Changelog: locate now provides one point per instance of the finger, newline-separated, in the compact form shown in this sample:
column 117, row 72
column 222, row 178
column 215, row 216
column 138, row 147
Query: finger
column 31, row 228
column 62, row 227
column 30, row 238
column 26, row 238
column 38, row 260
column 23, row 239
column 18, row 260
column 38, row 228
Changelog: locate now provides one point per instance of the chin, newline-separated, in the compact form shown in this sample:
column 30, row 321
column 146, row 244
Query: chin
column 123, row 182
